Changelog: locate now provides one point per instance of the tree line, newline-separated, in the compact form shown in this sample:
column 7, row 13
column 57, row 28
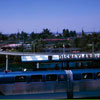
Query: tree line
column 46, row 33
column 87, row 42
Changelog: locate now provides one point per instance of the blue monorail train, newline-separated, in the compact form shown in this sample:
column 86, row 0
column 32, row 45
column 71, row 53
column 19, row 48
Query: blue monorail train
column 75, row 83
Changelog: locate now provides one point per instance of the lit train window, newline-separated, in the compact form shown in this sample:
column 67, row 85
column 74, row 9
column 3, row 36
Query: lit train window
column 20, row 79
column 51, row 77
column 36, row 78
column 87, row 76
column 98, row 75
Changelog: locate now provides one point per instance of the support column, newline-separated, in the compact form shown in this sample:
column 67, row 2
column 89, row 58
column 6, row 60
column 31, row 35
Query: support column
column 37, row 66
column 6, row 62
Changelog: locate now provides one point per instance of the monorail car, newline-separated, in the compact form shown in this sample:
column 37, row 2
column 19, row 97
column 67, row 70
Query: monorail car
column 76, row 83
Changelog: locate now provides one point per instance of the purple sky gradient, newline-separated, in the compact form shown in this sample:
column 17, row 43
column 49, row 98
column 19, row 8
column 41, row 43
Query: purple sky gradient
column 34, row 15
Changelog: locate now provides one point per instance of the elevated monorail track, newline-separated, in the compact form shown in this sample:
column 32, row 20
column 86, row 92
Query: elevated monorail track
column 44, row 53
column 21, row 53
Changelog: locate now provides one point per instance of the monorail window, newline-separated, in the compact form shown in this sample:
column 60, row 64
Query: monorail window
column 53, row 65
column 96, row 64
column 74, row 64
column 77, row 64
column 62, row 78
column 36, row 78
column 6, row 80
column 77, row 77
column 98, row 75
column 84, row 64
column 51, row 77
column 20, row 79
column 71, row 64
column 87, row 76
column 65, row 65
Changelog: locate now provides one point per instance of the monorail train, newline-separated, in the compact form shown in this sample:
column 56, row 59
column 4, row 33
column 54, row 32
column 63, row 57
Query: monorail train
column 76, row 83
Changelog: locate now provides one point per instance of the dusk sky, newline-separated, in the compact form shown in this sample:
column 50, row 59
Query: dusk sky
column 34, row 15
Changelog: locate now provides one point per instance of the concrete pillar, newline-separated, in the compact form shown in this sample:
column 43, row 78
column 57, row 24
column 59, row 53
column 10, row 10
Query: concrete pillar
column 37, row 66
column 6, row 62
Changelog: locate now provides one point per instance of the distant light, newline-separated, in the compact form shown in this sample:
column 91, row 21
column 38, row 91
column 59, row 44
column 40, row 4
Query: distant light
column 25, row 69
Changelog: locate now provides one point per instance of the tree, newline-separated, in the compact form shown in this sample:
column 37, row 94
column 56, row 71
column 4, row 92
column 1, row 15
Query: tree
column 46, row 31
column 37, row 45
column 83, row 33
column 59, row 36
column 0, row 36
column 46, row 34
column 12, row 37
column 76, row 42
column 24, row 36
column 3, row 37
column 32, row 36
column 18, row 35
column 66, row 33
column 73, row 33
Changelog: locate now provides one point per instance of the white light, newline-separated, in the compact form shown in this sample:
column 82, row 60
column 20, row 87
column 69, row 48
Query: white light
column 82, row 55
column 39, row 58
column 28, row 58
column 55, row 57
column 25, row 69
column 46, row 56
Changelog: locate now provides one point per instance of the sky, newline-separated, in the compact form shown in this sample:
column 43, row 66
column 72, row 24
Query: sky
column 36, row 15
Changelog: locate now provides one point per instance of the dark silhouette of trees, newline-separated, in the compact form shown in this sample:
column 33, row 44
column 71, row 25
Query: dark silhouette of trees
column 83, row 33
column 36, row 40
column 32, row 36
column 67, row 33
column 18, row 36
column 46, row 34
column 72, row 33
column 12, row 37
column 3, row 37
column 24, row 36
